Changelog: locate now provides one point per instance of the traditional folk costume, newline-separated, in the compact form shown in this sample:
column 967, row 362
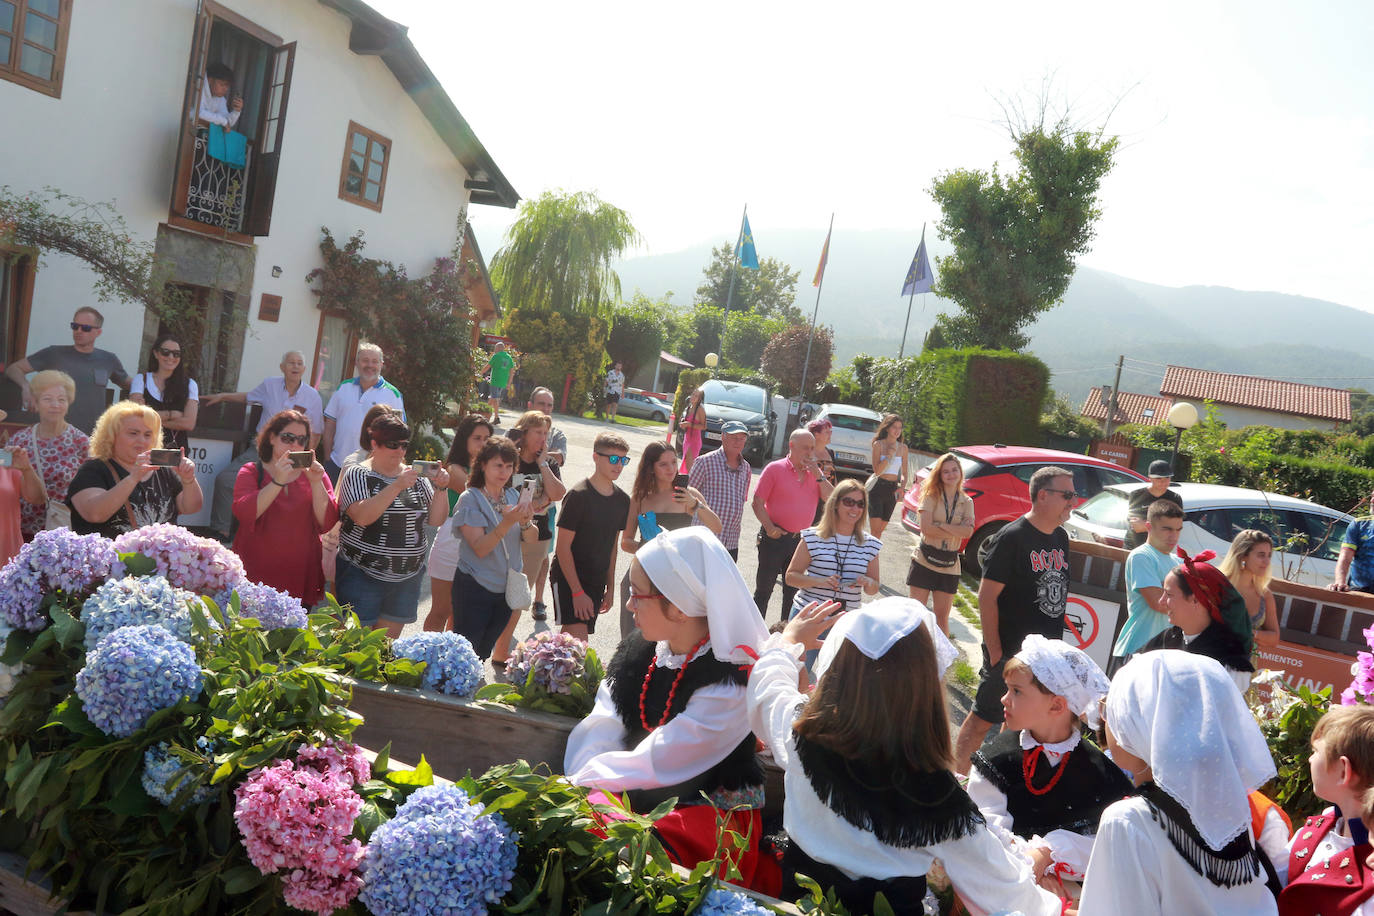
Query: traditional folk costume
column 1050, row 795
column 674, row 726
column 862, row 828
column 1229, row 638
column 1184, row 844
column 1327, row 872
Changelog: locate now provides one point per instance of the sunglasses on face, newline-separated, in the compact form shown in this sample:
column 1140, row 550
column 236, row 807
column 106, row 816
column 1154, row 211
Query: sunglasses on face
column 293, row 439
column 1067, row 494
column 615, row 459
column 88, row 328
column 400, row 443
column 852, row 502
column 170, row 354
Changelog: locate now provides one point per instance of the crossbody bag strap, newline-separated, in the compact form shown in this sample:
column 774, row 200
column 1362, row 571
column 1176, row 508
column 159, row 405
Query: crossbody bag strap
column 128, row 510
column 505, row 552
column 38, row 465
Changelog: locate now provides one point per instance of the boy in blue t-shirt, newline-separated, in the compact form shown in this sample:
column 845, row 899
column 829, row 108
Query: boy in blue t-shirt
column 1146, row 568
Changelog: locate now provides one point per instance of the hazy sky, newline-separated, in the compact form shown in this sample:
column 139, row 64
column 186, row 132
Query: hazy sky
column 1247, row 128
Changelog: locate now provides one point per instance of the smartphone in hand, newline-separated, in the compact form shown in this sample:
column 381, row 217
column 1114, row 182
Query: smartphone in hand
column 680, row 482
column 301, row 461
column 425, row 468
column 6, row 458
column 164, row 457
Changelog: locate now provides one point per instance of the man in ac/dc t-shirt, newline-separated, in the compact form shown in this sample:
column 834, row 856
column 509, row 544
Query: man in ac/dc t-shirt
column 1025, row 590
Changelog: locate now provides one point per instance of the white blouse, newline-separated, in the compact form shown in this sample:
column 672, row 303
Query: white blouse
column 145, row 382
column 986, row 875
column 1135, row 871
column 709, row 727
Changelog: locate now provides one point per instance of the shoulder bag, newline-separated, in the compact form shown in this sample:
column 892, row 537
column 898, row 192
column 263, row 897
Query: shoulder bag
column 517, row 586
column 55, row 514
column 128, row 510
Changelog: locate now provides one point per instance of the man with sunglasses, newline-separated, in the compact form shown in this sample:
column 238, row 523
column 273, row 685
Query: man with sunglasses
column 1025, row 589
column 593, row 515
column 92, row 370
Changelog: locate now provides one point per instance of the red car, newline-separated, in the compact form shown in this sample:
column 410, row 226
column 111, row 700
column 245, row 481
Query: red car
column 998, row 479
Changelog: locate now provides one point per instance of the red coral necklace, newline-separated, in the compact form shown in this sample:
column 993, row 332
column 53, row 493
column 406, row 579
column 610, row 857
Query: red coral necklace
column 672, row 691
column 1028, row 761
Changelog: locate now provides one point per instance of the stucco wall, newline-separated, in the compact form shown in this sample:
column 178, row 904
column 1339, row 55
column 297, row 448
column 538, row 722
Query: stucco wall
column 1236, row 417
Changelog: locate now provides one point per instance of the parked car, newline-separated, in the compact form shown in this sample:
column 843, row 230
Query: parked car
column 851, row 436
column 998, row 479
column 645, row 406
column 1307, row 537
column 737, row 401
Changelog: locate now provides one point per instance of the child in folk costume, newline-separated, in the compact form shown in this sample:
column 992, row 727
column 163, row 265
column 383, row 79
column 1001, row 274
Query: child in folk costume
column 871, row 801
column 1040, row 786
column 1327, row 871
column 1176, row 722
column 669, row 720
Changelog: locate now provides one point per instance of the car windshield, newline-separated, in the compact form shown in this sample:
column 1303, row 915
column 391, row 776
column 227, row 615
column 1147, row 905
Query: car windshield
column 740, row 397
column 1107, row 509
column 849, row 421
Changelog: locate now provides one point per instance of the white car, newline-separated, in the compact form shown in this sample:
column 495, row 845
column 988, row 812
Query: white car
column 1307, row 537
column 851, row 436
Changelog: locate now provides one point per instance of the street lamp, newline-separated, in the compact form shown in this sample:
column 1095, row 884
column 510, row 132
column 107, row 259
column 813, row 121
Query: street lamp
column 1181, row 416
column 712, row 360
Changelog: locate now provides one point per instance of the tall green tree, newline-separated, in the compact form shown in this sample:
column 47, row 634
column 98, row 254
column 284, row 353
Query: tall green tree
column 637, row 332
column 746, row 336
column 1016, row 237
column 770, row 290
column 699, row 333
column 557, row 256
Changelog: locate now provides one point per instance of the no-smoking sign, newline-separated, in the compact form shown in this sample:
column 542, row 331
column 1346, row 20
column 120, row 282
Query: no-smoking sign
column 1085, row 619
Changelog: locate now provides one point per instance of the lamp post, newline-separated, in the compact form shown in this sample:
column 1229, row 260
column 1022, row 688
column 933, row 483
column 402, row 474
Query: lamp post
column 711, row 360
column 1181, row 416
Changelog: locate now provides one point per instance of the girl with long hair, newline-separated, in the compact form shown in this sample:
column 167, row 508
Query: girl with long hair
column 1249, row 566
column 693, row 425
column 946, row 520
column 471, row 434
column 887, row 486
column 166, row 386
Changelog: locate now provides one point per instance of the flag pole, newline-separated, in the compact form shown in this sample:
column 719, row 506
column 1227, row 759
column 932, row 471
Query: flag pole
column 814, row 312
column 730, row 294
column 912, row 298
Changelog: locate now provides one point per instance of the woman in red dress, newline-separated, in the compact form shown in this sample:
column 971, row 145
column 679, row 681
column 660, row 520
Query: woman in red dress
column 282, row 510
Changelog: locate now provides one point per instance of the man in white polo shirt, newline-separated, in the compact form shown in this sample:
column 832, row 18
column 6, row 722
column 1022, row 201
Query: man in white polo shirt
column 343, row 418
column 275, row 394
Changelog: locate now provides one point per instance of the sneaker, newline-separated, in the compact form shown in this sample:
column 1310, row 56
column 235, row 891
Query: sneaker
column 540, row 611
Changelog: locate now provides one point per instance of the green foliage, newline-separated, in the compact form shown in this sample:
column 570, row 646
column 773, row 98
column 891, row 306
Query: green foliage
column 1064, row 419
column 423, row 326
column 1016, row 237
column 747, row 336
column 769, row 291
column 697, row 332
column 577, row 702
column 785, row 357
column 747, row 376
column 1287, row 719
column 557, row 344
column 688, row 380
column 558, row 255
column 637, row 332
column 852, row 384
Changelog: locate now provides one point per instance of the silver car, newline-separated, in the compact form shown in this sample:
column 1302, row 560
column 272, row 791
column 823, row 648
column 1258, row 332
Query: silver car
column 645, row 406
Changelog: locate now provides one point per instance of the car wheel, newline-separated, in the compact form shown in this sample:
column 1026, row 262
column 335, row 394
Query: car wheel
column 973, row 563
column 659, row 418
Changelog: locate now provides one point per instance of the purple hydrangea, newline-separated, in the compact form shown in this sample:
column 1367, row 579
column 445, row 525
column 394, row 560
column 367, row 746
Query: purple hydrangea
column 451, row 665
column 555, row 660
column 439, row 855
column 720, row 902
column 165, row 774
column 196, row 564
column 131, row 674
column 54, row 561
column 274, row 609
column 136, row 601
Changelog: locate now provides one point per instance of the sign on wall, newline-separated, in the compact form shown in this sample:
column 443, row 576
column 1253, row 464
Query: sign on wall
column 1090, row 625
column 211, row 456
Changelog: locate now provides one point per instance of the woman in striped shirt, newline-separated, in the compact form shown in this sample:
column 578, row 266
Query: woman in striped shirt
column 836, row 560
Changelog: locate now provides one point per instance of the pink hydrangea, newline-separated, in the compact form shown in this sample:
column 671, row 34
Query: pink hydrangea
column 194, row 563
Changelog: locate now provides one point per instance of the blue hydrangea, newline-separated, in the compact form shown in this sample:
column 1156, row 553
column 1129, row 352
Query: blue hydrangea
column 274, row 609
column 161, row 767
column 132, row 602
column 54, row 561
column 439, row 855
column 720, row 902
column 451, row 666
column 134, row 672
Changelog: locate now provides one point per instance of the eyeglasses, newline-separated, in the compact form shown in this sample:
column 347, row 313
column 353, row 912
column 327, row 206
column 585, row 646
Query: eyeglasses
column 852, row 502
column 88, row 328
column 1067, row 494
column 170, row 354
column 400, row 443
column 644, row 596
column 615, row 459
column 293, row 439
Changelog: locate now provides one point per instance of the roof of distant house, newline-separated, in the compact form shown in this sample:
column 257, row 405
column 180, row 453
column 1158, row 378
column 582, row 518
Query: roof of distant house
column 1131, row 407
column 374, row 34
column 1257, row 393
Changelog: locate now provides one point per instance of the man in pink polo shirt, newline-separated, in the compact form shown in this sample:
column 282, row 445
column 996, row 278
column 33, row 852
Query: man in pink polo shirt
column 785, row 503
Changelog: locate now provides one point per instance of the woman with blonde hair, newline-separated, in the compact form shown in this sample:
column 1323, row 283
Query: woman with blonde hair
column 1249, row 566
column 119, row 488
column 946, row 520
column 55, row 447
column 887, row 486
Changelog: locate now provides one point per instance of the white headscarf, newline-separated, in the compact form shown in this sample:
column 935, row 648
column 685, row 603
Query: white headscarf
column 1182, row 714
column 1066, row 672
column 875, row 627
column 692, row 569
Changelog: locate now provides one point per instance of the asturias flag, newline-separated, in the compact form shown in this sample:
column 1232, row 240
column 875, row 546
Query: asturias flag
column 820, row 268
column 748, row 257
column 918, row 277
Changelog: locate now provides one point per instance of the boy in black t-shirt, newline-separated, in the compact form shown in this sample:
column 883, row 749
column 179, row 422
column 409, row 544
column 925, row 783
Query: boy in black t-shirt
column 589, row 525
column 1025, row 590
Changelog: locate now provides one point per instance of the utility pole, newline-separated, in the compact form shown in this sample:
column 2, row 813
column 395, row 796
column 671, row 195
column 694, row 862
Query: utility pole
column 1111, row 405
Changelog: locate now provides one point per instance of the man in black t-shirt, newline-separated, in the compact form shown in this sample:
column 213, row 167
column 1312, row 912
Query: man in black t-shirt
column 589, row 525
column 1025, row 590
column 1139, row 503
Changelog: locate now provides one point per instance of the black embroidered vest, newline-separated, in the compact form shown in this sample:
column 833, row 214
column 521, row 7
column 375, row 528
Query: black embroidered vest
column 1089, row 784
column 625, row 676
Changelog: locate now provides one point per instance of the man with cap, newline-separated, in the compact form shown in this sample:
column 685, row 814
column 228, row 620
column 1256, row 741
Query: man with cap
column 1161, row 475
column 722, row 476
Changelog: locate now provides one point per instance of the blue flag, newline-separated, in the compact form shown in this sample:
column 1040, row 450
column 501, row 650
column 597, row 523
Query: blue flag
column 918, row 277
column 748, row 257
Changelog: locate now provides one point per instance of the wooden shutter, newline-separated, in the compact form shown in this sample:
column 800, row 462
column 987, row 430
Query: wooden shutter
column 200, row 47
column 262, row 183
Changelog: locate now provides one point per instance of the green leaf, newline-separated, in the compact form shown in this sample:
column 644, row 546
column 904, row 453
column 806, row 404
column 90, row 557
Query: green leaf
column 17, row 646
column 242, row 879
column 422, row 775
column 136, row 564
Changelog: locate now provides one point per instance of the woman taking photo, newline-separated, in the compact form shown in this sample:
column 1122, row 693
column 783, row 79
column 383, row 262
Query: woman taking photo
column 472, row 433
column 656, row 506
column 946, row 520
column 282, row 511
column 119, row 489
column 887, row 486
column 693, row 426
column 55, row 448
column 167, row 388
column 384, row 504
column 1248, row 565
column 487, row 521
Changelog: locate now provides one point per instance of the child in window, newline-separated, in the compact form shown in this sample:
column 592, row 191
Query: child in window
column 215, row 104
column 871, row 800
column 1040, row 786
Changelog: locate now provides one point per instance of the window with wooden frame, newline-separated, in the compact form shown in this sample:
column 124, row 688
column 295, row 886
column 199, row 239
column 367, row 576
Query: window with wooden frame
column 16, row 301
column 33, row 43
column 362, row 178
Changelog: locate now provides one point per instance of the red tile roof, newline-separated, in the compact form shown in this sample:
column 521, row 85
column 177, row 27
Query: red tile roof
column 1131, row 407
column 1258, row 393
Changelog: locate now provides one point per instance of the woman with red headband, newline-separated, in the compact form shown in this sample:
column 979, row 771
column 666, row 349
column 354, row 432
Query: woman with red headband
column 1208, row 617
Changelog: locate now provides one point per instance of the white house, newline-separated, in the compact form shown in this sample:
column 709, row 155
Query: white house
column 346, row 128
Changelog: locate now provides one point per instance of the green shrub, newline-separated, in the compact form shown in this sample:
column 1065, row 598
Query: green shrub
column 688, row 380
